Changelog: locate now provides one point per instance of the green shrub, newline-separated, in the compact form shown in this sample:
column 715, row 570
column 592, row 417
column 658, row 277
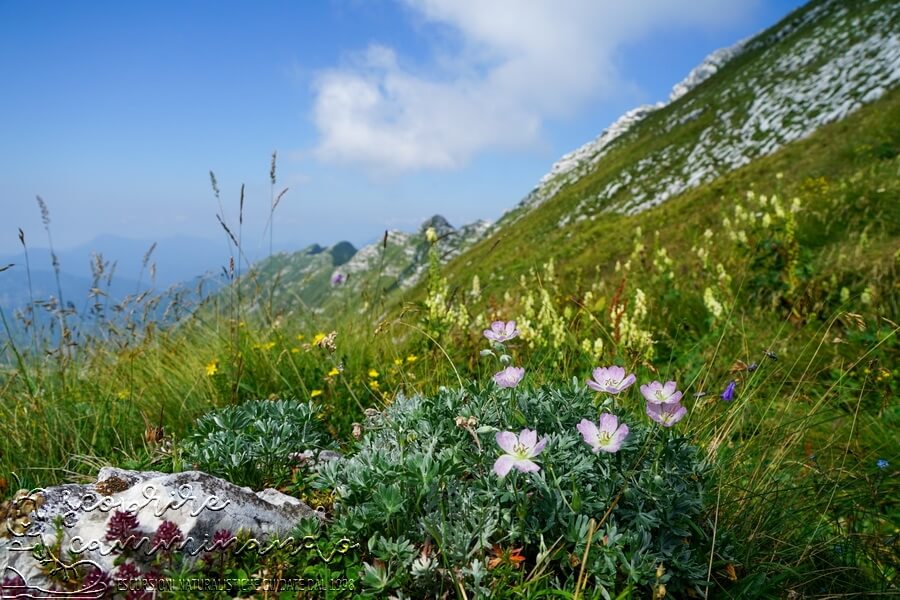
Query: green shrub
column 421, row 495
column 251, row 443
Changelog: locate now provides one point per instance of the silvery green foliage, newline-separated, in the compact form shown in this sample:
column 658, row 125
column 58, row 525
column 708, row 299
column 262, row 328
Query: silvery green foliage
column 250, row 444
column 421, row 475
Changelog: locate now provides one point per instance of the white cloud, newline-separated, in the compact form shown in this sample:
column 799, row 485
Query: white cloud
column 515, row 64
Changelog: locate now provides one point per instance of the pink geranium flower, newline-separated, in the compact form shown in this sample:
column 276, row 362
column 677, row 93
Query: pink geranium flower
column 519, row 450
column 607, row 437
column 509, row 377
column 501, row 331
column 666, row 414
column 657, row 393
column 611, row 380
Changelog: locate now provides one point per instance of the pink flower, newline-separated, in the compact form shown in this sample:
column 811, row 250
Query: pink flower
column 167, row 535
column 501, row 332
column 611, row 380
column 509, row 377
column 518, row 451
column 608, row 437
column 666, row 414
column 122, row 527
column 657, row 393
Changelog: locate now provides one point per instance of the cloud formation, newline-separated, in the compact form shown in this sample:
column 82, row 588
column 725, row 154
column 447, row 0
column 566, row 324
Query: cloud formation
column 514, row 64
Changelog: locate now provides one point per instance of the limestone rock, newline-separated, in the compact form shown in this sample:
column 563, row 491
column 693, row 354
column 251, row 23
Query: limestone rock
column 199, row 504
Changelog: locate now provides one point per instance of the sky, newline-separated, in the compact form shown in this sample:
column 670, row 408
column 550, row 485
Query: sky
column 382, row 112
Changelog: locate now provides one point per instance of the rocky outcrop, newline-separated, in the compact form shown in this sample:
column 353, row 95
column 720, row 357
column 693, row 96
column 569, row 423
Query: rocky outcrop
column 80, row 523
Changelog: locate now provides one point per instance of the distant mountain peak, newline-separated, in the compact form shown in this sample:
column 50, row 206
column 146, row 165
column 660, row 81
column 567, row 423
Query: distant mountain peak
column 341, row 253
column 706, row 69
column 440, row 225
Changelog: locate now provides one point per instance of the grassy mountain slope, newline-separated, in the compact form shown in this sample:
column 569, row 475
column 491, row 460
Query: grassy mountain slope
column 846, row 150
column 815, row 67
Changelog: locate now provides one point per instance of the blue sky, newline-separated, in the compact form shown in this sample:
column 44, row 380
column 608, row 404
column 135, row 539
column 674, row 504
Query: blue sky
column 383, row 112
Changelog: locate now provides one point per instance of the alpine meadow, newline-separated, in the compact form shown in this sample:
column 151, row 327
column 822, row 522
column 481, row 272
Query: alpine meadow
column 670, row 371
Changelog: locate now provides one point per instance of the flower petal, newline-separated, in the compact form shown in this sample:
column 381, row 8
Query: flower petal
column 539, row 447
column 627, row 382
column 595, row 386
column 608, row 423
column 506, row 440
column 503, row 465
column 677, row 414
column 528, row 438
column 654, row 411
column 526, row 466
column 589, row 432
column 618, row 437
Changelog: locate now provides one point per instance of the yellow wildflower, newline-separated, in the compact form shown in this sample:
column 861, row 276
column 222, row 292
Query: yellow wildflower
column 398, row 361
column 373, row 373
column 412, row 358
column 333, row 372
column 212, row 367
column 315, row 393
column 374, row 384
column 325, row 341
column 122, row 394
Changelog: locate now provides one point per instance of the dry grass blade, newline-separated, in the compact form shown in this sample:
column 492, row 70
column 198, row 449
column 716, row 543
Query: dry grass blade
column 147, row 255
column 582, row 576
column 228, row 231
column 278, row 198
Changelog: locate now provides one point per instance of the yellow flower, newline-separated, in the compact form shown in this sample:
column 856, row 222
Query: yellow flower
column 212, row 367
column 373, row 373
column 398, row 361
column 315, row 393
column 122, row 394
column 374, row 384
column 334, row 371
column 300, row 337
column 318, row 338
column 264, row 346
column 412, row 358
column 295, row 350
